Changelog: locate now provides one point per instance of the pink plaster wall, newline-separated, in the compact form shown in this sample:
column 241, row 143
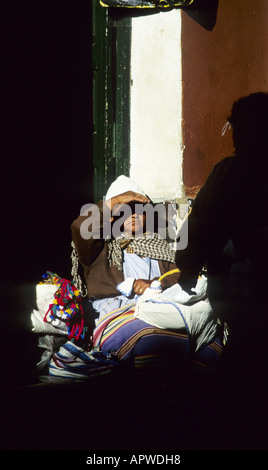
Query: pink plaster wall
column 218, row 67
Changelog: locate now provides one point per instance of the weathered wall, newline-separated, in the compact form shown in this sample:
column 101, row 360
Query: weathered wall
column 218, row 67
column 155, row 131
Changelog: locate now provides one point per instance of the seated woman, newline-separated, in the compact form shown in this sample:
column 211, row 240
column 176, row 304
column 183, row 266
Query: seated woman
column 134, row 254
column 117, row 272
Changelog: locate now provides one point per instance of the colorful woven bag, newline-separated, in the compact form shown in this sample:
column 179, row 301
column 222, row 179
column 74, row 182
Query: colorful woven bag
column 66, row 305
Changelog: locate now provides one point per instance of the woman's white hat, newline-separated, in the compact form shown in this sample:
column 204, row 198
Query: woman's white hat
column 123, row 184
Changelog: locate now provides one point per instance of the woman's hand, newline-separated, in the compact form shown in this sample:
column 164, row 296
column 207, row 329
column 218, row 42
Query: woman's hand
column 140, row 285
column 125, row 198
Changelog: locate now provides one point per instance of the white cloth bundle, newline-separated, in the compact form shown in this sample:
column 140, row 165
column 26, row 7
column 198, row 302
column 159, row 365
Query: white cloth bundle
column 44, row 297
column 178, row 310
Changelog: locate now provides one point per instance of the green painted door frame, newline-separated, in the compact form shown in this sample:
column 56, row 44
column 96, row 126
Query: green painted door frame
column 111, row 37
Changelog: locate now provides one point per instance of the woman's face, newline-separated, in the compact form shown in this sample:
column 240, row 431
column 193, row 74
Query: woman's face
column 135, row 224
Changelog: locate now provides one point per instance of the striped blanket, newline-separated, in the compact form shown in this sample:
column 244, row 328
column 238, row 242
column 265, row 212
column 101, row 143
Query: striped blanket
column 154, row 354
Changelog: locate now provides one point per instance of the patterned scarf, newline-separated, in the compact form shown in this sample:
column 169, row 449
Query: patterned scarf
column 151, row 246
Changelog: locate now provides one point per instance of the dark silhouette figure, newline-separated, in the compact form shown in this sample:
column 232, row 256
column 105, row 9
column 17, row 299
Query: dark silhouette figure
column 228, row 235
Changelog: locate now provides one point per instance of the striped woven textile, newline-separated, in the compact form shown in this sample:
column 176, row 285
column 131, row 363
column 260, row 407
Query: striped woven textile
column 72, row 362
column 153, row 348
column 121, row 332
column 110, row 323
column 155, row 354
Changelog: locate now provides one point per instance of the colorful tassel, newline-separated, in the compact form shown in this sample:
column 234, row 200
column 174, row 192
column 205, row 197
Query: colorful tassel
column 66, row 305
